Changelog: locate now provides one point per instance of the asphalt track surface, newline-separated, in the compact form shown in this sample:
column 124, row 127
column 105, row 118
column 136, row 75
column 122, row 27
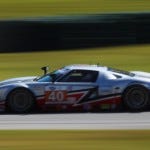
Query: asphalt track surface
column 82, row 121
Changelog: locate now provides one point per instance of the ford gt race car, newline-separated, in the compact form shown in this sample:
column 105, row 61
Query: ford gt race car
column 77, row 88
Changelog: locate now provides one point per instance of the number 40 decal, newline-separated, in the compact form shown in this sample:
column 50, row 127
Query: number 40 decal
column 56, row 96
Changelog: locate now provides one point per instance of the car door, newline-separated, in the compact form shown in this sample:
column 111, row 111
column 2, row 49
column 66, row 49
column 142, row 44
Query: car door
column 75, row 87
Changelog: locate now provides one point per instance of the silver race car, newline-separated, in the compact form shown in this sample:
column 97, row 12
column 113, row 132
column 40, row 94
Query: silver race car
column 77, row 88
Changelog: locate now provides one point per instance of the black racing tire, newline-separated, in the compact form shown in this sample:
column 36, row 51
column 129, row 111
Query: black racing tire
column 136, row 98
column 20, row 101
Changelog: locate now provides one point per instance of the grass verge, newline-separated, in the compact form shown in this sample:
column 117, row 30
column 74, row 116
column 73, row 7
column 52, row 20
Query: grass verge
column 31, row 8
column 73, row 140
column 122, row 57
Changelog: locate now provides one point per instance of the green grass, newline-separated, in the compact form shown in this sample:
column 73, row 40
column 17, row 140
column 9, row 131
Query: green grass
column 75, row 140
column 125, row 57
column 25, row 8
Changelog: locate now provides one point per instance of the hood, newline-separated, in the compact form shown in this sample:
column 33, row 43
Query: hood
column 141, row 74
column 16, row 80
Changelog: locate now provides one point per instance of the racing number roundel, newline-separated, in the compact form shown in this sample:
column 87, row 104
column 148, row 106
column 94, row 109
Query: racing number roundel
column 56, row 96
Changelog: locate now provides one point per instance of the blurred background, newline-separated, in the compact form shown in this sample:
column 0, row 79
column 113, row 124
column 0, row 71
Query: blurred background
column 34, row 33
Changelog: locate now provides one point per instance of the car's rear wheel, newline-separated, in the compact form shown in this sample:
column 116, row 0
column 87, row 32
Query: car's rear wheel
column 20, row 101
column 136, row 98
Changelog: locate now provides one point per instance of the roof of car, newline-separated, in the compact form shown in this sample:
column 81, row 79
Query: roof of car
column 87, row 67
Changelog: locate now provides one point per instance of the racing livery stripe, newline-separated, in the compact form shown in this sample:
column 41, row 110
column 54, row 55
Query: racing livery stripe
column 82, row 90
column 110, row 95
column 40, row 97
column 70, row 92
column 100, row 98
column 80, row 97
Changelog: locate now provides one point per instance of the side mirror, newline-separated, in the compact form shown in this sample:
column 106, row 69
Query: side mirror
column 45, row 69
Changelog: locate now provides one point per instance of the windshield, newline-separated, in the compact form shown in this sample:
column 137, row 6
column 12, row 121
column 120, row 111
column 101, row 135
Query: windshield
column 121, row 72
column 45, row 78
column 53, row 76
column 49, row 77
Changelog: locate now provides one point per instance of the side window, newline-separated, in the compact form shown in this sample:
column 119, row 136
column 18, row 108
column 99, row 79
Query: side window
column 80, row 76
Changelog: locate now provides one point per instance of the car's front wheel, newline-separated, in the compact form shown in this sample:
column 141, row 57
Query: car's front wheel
column 20, row 101
column 136, row 98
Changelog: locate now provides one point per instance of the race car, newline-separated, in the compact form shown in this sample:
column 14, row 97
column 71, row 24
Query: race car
column 78, row 87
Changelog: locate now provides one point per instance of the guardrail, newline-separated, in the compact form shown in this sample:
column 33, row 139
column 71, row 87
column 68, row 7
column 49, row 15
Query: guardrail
column 69, row 32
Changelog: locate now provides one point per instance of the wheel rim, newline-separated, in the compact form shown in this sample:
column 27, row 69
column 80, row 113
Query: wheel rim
column 21, row 101
column 137, row 98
